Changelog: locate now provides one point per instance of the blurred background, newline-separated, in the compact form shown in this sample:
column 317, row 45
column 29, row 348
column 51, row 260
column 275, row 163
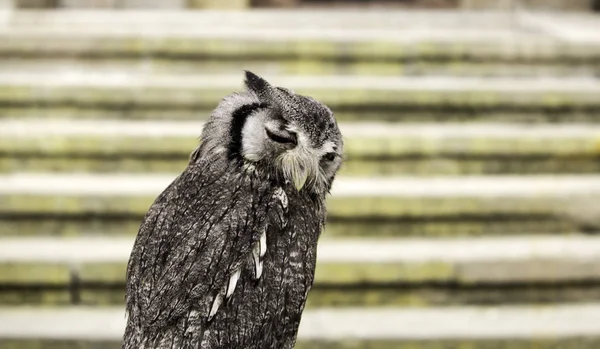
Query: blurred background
column 466, row 213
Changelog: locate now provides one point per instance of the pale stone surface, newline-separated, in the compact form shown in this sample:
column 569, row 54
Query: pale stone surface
column 512, row 187
column 477, row 323
column 578, row 86
column 508, row 30
column 43, row 127
column 489, row 259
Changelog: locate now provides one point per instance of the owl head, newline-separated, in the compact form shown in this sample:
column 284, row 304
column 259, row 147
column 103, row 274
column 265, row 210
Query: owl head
column 275, row 132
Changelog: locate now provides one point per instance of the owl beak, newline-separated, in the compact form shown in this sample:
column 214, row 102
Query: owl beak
column 300, row 179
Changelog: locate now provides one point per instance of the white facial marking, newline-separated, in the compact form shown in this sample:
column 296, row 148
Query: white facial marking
column 253, row 137
column 300, row 165
column 328, row 147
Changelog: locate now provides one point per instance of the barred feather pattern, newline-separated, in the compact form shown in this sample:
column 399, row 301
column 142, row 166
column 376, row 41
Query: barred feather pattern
column 197, row 237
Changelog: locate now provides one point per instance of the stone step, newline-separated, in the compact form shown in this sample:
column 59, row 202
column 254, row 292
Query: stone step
column 263, row 18
column 300, row 66
column 372, row 149
column 351, row 97
column 523, row 327
column 396, row 206
column 350, row 272
column 417, row 66
column 332, row 35
column 336, row 42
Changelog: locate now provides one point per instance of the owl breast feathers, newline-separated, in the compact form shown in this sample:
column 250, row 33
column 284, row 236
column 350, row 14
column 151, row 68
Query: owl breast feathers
column 225, row 256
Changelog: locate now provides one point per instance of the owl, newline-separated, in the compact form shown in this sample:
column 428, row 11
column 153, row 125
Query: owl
column 225, row 256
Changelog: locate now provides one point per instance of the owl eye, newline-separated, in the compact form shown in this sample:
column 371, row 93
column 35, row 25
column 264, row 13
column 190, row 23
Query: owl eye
column 330, row 156
column 282, row 136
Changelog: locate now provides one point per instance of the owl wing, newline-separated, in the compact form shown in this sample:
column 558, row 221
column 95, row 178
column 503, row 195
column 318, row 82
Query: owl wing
column 192, row 243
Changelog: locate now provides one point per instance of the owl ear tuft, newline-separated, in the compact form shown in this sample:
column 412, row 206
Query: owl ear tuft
column 257, row 84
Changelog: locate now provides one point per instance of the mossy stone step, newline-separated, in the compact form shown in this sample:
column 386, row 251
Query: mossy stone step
column 367, row 197
column 415, row 272
column 410, row 114
column 90, row 224
column 425, row 165
column 353, row 97
column 83, row 204
column 565, row 327
column 378, row 35
column 332, row 295
column 416, row 66
column 39, row 145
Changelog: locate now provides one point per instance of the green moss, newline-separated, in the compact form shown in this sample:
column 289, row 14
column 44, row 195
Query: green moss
column 195, row 97
column 31, row 273
column 328, row 295
column 427, row 166
column 76, row 204
column 365, row 273
column 103, row 296
column 69, row 227
column 372, row 228
column 341, row 273
column 103, row 273
column 308, row 64
column 356, row 148
column 441, row 207
column 203, row 49
column 405, row 113
column 365, row 156
column 338, row 206
column 100, row 146
column 92, row 165
column 34, row 296
column 450, row 227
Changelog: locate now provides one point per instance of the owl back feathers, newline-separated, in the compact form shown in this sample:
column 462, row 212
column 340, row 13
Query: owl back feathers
column 192, row 245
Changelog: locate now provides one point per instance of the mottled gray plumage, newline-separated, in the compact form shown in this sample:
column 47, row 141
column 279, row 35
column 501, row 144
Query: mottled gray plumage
column 226, row 255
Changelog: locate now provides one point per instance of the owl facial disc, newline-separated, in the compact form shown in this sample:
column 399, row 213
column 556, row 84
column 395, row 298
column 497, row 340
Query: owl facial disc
column 291, row 136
